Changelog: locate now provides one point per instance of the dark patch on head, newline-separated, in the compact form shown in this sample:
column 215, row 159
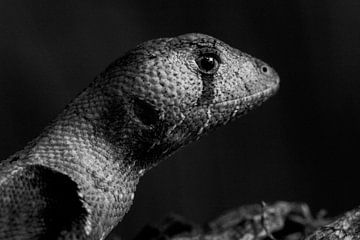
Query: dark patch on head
column 208, row 90
column 208, row 62
column 146, row 113
column 140, row 122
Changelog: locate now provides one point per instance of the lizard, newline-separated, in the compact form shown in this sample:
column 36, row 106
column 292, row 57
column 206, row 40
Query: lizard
column 77, row 179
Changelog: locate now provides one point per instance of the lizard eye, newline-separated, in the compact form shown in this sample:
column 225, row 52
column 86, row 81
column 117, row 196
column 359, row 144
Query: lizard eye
column 208, row 63
column 145, row 112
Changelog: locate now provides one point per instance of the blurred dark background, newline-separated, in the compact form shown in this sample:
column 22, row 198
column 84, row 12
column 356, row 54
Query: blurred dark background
column 301, row 146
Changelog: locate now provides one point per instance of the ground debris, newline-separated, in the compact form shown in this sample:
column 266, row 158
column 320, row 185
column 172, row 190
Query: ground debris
column 278, row 221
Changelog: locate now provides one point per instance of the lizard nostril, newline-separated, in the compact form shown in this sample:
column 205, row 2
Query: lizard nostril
column 264, row 69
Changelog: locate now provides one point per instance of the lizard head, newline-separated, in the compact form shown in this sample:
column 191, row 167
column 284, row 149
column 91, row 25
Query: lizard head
column 173, row 90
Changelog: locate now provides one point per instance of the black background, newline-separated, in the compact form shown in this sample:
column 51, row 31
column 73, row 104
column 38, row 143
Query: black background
column 303, row 145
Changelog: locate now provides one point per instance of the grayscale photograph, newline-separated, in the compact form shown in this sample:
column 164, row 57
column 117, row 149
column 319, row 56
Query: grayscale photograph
column 179, row 120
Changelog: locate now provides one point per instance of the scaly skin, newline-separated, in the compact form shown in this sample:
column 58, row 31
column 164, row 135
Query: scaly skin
column 77, row 179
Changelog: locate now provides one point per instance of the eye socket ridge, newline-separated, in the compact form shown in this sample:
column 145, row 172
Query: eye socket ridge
column 208, row 61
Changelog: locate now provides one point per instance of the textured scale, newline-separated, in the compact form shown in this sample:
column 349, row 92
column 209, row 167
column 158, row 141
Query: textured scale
column 77, row 179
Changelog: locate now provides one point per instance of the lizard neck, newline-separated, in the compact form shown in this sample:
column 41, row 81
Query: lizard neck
column 80, row 145
column 83, row 134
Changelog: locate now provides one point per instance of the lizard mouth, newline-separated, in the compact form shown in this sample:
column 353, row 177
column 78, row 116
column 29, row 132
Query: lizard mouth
column 224, row 111
column 255, row 98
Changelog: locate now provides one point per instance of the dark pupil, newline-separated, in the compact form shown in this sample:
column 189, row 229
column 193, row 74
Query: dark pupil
column 207, row 63
column 264, row 69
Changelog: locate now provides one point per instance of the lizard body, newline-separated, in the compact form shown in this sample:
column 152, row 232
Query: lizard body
column 77, row 179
